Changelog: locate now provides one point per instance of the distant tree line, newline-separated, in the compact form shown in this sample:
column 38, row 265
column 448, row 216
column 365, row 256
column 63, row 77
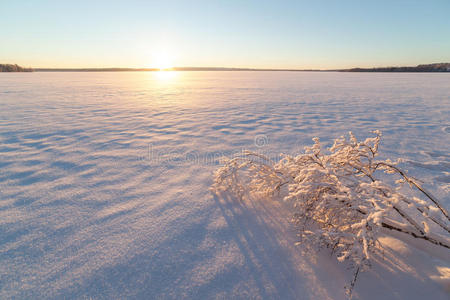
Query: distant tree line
column 439, row 67
column 14, row 68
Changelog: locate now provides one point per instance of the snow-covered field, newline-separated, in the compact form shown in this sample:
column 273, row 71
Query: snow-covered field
column 105, row 177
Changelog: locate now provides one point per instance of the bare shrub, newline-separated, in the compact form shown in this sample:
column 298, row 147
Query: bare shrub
column 342, row 196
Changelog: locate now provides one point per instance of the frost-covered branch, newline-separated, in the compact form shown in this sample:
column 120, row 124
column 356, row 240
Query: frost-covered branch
column 342, row 196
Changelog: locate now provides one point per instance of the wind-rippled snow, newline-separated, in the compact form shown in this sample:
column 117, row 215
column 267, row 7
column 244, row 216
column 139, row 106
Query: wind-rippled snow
column 104, row 181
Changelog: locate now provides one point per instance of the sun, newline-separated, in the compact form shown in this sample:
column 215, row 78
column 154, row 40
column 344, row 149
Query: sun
column 163, row 62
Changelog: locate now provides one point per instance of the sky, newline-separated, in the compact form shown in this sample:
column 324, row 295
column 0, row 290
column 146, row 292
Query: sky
column 255, row 34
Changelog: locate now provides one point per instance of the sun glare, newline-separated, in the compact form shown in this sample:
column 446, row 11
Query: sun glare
column 163, row 62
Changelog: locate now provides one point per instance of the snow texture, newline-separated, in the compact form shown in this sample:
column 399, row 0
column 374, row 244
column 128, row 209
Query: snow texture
column 105, row 177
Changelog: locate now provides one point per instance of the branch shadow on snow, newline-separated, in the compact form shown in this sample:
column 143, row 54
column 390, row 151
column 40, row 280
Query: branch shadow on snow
column 265, row 238
column 260, row 249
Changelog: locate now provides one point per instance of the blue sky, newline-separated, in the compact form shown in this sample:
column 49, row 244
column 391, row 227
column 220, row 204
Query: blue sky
column 261, row 34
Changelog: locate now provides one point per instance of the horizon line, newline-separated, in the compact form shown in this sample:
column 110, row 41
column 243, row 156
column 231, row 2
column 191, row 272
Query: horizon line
column 431, row 67
column 191, row 68
column 421, row 67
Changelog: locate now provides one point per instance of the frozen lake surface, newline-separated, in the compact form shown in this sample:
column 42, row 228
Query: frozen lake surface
column 104, row 181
